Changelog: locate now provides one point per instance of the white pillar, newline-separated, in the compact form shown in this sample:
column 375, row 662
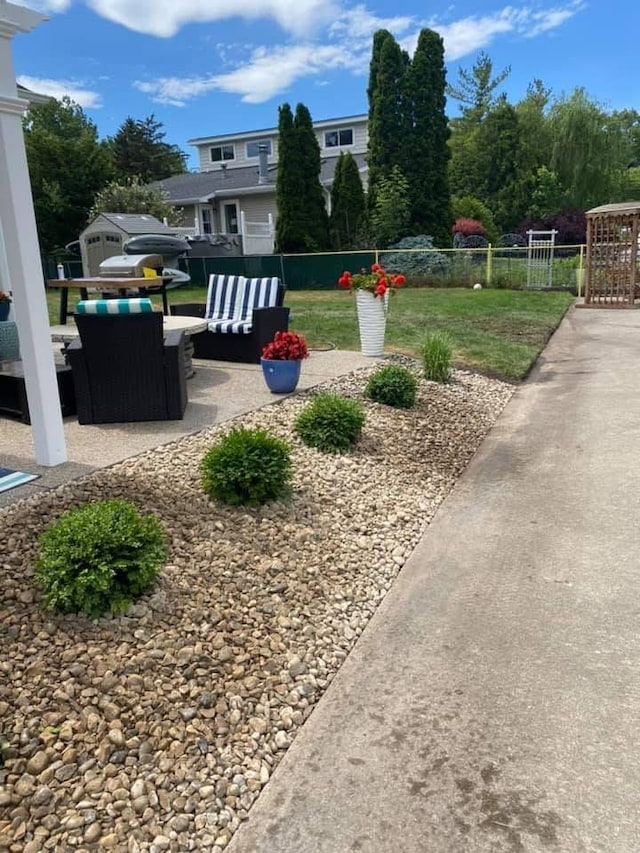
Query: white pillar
column 23, row 252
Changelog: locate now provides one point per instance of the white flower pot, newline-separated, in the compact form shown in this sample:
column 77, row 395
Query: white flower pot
column 372, row 318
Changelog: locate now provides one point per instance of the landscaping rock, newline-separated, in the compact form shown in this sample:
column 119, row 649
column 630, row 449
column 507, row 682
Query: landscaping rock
column 157, row 729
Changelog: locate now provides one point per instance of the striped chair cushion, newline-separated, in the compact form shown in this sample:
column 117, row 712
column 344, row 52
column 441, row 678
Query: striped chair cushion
column 230, row 327
column 234, row 297
column 114, row 306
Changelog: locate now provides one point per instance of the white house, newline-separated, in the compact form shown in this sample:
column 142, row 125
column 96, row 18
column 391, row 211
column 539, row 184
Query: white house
column 234, row 190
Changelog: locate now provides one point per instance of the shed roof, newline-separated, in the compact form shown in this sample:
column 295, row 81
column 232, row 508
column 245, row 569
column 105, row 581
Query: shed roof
column 623, row 207
column 137, row 223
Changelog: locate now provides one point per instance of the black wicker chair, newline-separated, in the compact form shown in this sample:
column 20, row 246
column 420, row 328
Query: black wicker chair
column 124, row 370
column 237, row 335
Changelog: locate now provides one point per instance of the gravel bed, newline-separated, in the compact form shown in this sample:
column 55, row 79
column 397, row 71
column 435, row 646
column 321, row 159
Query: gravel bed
column 157, row 730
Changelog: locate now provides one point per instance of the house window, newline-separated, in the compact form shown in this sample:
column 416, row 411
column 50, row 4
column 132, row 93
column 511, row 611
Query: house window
column 252, row 148
column 207, row 223
column 222, row 152
column 338, row 138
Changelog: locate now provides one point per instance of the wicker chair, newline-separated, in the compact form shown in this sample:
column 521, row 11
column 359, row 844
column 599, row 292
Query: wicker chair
column 123, row 369
column 243, row 314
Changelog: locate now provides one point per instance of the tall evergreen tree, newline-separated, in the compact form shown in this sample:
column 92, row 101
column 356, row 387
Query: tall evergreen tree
column 139, row 150
column 316, row 219
column 348, row 205
column 499, row 153
column 427, row 152
column 67, row 165
column 475, row 89
column 302, row 224
column 387, row 119
column 288, row 186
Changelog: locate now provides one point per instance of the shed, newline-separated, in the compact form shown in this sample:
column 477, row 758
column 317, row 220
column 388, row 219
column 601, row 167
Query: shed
column 104, row 237
column 613, row 277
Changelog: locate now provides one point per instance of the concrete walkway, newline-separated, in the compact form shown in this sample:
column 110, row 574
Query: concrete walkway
column 493, row 703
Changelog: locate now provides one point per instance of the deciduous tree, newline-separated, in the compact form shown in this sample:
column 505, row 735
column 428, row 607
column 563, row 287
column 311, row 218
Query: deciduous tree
column 67, row 164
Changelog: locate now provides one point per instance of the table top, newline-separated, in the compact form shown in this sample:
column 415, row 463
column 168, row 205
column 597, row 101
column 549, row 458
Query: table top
column 104, row 283
column 189, row 325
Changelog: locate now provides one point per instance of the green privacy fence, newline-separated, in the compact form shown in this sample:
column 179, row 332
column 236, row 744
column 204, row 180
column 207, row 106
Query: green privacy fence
column 490, row 266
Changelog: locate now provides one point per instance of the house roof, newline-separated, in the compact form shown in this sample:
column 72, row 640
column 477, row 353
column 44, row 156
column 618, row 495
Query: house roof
column 272, row 131
column 202, row 186
column 137, row 223
column 32, row 97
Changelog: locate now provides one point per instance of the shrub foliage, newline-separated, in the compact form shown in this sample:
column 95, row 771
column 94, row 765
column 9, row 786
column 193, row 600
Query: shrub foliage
column 437, row 353
column 392, row 385
column 99, row 557
column 330, row 423
column 247, row 467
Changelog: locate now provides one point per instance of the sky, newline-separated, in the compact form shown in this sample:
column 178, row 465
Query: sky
column 208, row 67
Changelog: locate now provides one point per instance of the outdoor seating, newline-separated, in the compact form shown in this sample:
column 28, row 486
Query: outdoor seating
column 123, row 368
column 243, row 315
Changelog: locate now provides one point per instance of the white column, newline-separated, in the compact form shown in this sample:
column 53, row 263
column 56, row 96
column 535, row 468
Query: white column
column 23, row 252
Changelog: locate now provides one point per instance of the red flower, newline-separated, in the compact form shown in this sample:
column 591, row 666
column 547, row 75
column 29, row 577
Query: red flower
column 378, row 281
column 286, row 346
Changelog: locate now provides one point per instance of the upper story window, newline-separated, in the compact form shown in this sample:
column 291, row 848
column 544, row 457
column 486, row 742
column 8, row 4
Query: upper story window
column 252, row 148
column 222, row 152
column 338, row 138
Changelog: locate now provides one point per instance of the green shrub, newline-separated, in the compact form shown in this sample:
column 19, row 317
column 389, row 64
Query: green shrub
column 247, row 467
column 392, row 385
column 98, row 557
column 330, row 423
column 437, row 353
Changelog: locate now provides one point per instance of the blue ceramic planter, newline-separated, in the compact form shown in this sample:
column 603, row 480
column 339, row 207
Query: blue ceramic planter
column 281, row 376
column 5, row 307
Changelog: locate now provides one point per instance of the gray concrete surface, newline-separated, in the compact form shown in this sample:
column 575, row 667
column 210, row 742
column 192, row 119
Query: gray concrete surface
column 493, row 702
column 219, row 391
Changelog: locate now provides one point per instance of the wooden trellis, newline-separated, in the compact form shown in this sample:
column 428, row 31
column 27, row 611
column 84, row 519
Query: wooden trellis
column 613, row 256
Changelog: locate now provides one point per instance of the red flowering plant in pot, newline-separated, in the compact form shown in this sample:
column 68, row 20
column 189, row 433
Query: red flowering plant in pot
column 377, row 281
column 281, row 360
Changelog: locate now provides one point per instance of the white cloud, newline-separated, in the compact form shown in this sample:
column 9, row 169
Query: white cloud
column 164, row 18
column 345, row 46
column 86, row 98
column 49, row 5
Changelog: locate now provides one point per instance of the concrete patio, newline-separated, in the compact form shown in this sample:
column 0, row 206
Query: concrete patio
column 219, row 392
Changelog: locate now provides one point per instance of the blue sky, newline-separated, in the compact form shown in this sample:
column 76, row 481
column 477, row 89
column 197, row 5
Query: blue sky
column 205, row 67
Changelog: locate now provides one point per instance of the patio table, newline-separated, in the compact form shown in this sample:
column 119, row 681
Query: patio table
column 188, row 325
column 103, row 284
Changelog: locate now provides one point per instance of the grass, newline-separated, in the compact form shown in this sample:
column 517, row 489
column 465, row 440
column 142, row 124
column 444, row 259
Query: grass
column 498, row 332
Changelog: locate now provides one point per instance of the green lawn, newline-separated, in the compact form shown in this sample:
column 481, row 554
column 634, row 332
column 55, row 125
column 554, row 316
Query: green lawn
column 499, row 332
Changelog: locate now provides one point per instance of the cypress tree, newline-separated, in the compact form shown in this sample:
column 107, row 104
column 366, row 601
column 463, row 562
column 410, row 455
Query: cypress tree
column 387, row 121
column 289, row 187
column 348, row 211
column 426, row 150
column 314, row 209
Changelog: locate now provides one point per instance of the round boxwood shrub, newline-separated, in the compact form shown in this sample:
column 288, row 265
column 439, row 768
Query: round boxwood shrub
column 99, row 557
column 392, row 385
column 330, row 423
column 247, row 467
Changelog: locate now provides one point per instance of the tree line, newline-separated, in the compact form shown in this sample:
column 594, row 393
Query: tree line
column 539, row 162
column 71, row 169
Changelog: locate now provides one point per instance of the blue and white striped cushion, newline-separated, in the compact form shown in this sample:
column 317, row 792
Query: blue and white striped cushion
column 230, row 327
column 114, row 306
column 233, row 297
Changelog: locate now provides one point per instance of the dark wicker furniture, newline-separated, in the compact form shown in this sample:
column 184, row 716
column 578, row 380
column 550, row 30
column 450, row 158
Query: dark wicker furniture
column 13, row 392
column 123, row 369
column 235, row 346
